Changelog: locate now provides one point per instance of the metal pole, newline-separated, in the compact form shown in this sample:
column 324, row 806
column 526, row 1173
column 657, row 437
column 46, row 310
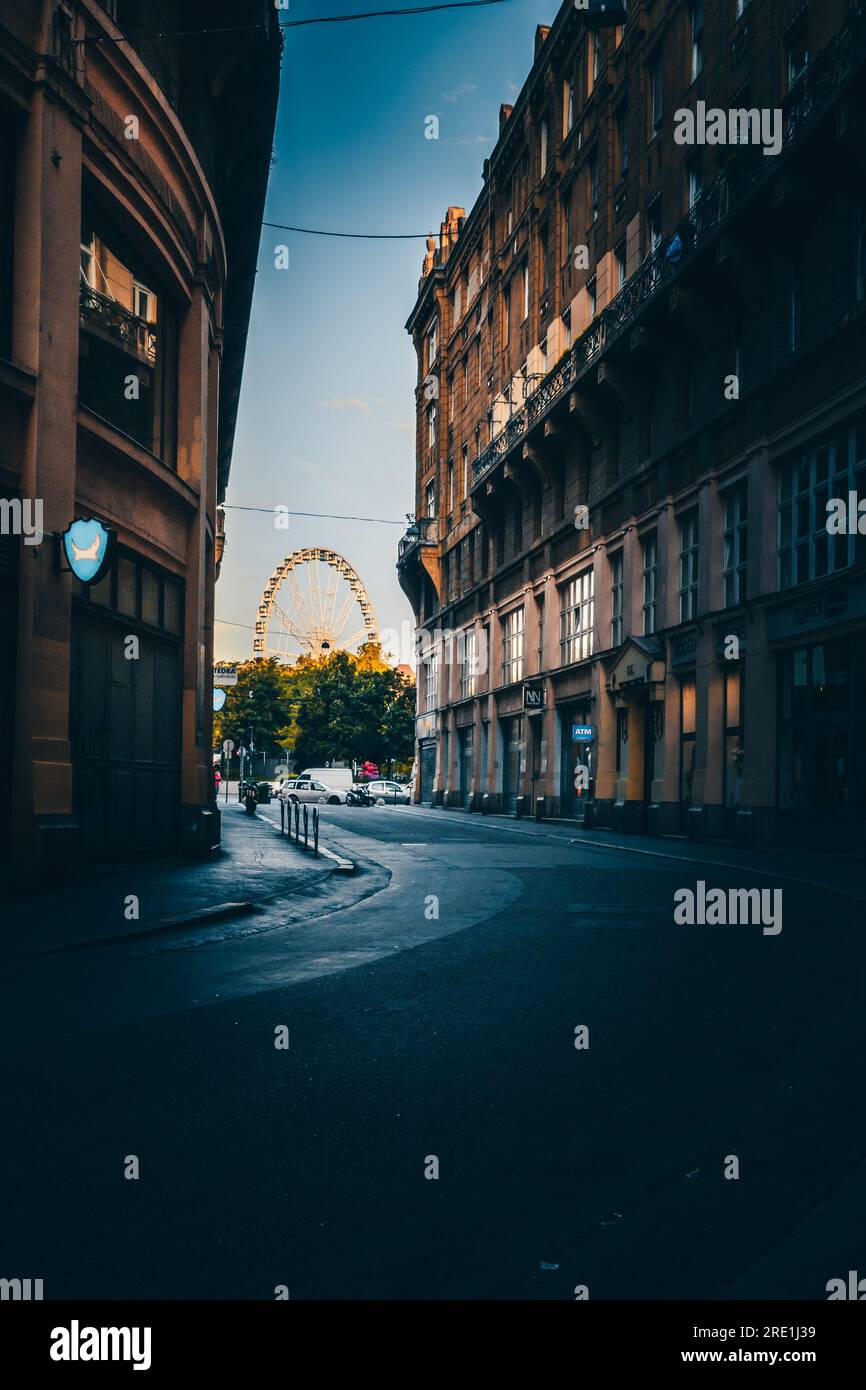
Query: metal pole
column 316, row 830
column 305, row 825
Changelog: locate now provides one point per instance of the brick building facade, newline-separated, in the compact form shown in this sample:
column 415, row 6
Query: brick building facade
column 640, row 381
column 134, row 158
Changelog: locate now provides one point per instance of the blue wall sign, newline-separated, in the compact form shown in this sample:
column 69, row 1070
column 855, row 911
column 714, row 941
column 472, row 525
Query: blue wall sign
column 86, row 545
column 219, row 698
column 582, row 733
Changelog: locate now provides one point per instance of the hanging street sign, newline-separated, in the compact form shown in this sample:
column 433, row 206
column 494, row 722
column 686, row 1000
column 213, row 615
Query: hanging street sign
column 87, row 545
column 225, row 673
column 219, row 698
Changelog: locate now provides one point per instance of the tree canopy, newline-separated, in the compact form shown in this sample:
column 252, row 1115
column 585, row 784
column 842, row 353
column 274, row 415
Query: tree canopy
column 335, row 709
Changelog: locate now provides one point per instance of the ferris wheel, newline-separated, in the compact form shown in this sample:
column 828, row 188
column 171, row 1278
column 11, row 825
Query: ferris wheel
column 314, row 603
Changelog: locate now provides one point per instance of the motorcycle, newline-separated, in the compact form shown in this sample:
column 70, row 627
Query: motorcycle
column 358, row 796
column 251, row 801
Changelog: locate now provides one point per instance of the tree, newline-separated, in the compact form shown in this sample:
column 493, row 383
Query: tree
column 258, row 707
column 357, row 708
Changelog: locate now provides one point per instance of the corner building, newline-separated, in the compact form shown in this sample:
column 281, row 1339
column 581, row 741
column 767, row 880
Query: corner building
column 640, row 380
column 134, row 157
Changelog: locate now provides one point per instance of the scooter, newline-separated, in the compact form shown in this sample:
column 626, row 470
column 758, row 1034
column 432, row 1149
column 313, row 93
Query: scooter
column 358, row 796
column 251, row 801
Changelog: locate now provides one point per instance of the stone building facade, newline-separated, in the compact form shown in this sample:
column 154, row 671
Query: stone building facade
column 134, row 157
column 640, row 382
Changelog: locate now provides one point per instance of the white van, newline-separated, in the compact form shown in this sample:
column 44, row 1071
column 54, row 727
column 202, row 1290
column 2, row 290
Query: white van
column 340, row 778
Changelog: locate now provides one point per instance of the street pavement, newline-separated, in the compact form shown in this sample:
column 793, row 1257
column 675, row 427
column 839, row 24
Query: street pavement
column 431, row 1015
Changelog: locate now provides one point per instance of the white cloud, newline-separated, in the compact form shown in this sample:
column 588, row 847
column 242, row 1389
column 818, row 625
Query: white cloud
column 455, row 93
column 346, row 403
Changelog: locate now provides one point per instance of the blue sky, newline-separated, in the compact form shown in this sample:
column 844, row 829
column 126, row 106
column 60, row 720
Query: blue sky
column 326, row 411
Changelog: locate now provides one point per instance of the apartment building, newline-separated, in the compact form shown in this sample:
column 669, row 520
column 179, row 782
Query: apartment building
column 640, row 382
column 134, row 157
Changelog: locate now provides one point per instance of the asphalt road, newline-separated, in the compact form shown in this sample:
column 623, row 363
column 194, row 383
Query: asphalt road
column 435, row 1018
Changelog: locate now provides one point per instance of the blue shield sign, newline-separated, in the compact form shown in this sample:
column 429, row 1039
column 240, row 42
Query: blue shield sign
column 86, row 545
column 219, row 698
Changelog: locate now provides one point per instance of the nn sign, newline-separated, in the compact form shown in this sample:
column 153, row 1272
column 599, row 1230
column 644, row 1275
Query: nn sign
column 533, row 697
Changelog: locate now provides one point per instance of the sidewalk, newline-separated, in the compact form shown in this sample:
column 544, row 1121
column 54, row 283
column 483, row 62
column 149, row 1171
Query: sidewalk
column 845, row 874
column 255, row 866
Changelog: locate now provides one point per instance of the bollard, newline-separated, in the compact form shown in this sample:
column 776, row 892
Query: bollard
column 297, row 821
column 305, row 825
column 282, row 817
column 316, row 831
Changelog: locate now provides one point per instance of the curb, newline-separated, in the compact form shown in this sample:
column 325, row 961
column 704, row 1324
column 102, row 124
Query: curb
column 222, row 912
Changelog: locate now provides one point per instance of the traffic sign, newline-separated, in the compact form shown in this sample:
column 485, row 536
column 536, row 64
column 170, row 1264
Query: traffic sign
column 228, row 746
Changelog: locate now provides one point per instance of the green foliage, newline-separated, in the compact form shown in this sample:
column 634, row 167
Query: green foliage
column 337, row 708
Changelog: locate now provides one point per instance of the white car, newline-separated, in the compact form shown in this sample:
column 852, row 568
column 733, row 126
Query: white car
column 386, row 793
column 311, row 791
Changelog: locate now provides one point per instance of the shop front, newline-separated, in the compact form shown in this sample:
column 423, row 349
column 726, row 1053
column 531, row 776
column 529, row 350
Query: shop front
column 636, row 688
column 821, row 689
column 425, row 734
column 577, row 774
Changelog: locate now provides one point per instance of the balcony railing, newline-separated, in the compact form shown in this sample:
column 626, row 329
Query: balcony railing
column 811, row 96
column 111, row 320
column 420, row 532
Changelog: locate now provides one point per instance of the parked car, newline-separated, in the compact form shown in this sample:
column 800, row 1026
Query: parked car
column 340, row 778
column 386, row 793
column 312, row 791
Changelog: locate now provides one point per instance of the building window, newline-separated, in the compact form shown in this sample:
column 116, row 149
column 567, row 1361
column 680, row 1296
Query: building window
column 468, row 653
column 735, row 546
column 592, row 175
column 450, row 486
column 566, row 324
column 432, row 344
column 525, row 291
column 539, row 647
column 656, row 86
column 792, row 306
column 7, row 238
column 620, row 144
column 654, row 223
column 431, row 680
column 566, row 226
column 477, row 441
column 696, row 182
column 591, row 296
column 616, row 599
column 649, row 556
column 567, row 106
column 596, row 55
column 127, row 371
column 512, row 646
column 619, row 257
column 545, row 136
column 518, row 526
column 697, row 38
column 488, row 419
column 688, row 710
column 430, row 499
column 733, row 751
column 798, row 55
column 689, row 567
column 807, row 483
column 621, row 739
column 742, row 6
column 576, row 619
column 464, row 461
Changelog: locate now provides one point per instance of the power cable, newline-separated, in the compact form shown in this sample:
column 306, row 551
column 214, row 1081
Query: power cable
column 327, row 516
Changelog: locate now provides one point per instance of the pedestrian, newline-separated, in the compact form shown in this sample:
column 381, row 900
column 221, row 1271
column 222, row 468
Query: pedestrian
column 217, row 778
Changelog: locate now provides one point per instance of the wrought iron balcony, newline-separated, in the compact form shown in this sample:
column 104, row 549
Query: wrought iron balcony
column 112, row 321
column 418, row 533
column 812, row 95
